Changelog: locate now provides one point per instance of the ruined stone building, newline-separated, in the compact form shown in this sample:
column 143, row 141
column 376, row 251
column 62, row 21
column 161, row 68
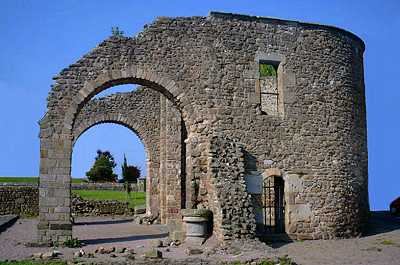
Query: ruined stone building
column 260, row 120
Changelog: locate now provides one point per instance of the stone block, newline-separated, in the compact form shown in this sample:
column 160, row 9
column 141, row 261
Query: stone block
column 153, row 254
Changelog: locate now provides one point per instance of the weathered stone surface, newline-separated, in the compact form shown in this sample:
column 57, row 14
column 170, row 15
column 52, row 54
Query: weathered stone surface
column 196, row 226
column 213, row 129
column 19, row 200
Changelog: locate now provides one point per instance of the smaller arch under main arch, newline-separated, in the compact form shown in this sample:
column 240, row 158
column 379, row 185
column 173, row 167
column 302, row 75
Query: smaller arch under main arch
column 139, row 112
column 151, row 166
column 115, row 75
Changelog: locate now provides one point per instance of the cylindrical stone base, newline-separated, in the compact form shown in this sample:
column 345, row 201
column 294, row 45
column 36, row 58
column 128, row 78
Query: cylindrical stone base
column 197, row 222
column 195, row 226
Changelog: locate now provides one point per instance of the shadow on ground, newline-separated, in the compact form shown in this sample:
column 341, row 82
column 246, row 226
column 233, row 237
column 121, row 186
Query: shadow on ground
column 122, row 239
column 107, row 222
column 106, row 230
column 381, row 222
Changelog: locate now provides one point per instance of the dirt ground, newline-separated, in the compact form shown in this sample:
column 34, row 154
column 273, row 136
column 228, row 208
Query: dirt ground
column 381, row 246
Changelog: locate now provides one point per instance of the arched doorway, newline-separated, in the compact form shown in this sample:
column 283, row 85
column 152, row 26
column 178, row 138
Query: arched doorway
column 164, row 133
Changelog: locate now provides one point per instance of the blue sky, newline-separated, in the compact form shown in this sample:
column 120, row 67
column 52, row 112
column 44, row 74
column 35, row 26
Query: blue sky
column 39, row 38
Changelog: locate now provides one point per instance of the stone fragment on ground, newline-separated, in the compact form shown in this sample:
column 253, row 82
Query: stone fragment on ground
column 193, row 251
column 121, row 250
column 167, row 242
column 153, row 254
column 99, row 250
column 109, row 250
column 175, row 243
column 79, row 253
column 47, row 255
column 37, row 255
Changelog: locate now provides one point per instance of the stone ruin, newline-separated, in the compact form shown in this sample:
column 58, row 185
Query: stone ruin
column 260, row 120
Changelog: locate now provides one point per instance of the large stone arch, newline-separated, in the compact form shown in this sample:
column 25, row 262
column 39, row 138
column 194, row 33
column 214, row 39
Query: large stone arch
column 55, row 168
column 139, row 111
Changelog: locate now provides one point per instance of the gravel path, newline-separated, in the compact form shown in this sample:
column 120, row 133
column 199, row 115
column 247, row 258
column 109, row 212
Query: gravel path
column 380, row 247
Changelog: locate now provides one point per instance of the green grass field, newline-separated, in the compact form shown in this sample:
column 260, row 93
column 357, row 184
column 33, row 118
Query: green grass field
column 28, row 180
column 136, row 198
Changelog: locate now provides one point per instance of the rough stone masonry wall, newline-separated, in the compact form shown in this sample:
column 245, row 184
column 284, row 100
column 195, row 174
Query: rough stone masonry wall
column 208, row 67
column 19, row 200
column 171, row 168
column 232, row 212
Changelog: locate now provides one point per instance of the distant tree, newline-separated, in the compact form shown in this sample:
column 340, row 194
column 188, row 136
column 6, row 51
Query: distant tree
column 103, row 168
column 130, row 174
column 108, row 155
column 116, row 32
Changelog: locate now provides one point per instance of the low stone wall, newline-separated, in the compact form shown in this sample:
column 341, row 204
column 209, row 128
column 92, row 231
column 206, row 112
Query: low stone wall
column 24, row 200
column 84, row 207
column 140, row 186
column 13, row 184
column 20, row 200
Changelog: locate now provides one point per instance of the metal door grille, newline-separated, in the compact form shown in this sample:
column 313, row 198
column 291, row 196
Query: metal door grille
column 273, row 205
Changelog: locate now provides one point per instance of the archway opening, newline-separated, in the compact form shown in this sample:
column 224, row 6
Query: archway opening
column 166, row 161
column 160, row 125
column 122, row 143
column 116, row 138
column 103, row 211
